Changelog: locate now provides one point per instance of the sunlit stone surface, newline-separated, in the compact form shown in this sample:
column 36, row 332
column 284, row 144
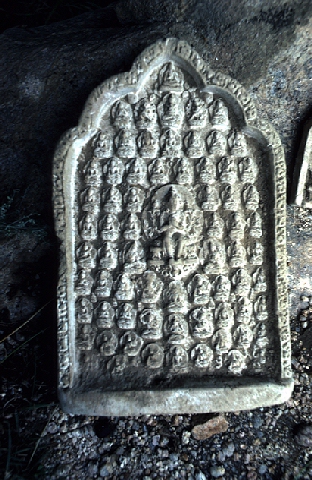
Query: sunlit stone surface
column 170, row 207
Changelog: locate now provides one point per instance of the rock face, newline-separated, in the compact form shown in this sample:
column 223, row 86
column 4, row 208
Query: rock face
column 47, row 74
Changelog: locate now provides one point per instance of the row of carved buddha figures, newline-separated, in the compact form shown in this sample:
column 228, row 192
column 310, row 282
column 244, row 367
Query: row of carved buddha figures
column 165, row 109
column 129, row 350
column 215, row 256
column 154, row 324
column 170, row 143
column 150, row 292
column 108, row 226
column 149, row 287
column 184, row 171
column 213, row 353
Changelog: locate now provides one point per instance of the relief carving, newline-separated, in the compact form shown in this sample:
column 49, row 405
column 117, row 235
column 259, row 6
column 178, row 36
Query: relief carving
column 172, row 256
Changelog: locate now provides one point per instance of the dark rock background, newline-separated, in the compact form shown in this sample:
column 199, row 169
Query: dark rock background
column 47, row 73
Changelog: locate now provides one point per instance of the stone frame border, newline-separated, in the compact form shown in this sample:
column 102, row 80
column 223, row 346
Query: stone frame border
column 189, row 400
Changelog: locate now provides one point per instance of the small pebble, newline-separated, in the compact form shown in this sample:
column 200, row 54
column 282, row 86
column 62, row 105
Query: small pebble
column 217, row 471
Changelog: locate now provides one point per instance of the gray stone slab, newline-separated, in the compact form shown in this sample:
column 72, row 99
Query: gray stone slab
column 169, row 202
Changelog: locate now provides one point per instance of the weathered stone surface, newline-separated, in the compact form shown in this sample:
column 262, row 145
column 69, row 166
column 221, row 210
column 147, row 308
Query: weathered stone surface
column 211, row 427
column 172, row 234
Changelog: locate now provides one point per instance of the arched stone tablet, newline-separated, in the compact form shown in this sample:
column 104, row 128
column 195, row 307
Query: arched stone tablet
column 169, row 203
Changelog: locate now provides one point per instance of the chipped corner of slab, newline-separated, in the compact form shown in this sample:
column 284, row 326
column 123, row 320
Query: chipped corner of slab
column 172, row 287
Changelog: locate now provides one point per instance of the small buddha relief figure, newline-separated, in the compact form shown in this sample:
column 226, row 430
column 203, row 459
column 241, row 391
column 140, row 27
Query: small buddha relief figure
column 194, row 144
column 214, row 256
column 247, row 170
column 222, row 288
column 90, row 200
column 159, row 171
column 88, row 227
column 146, row 113
column 107, row 343
column 241, row 283
column 224, row 315
column 103, row 147
column 243, row 337
column 85, row 338
column 125, row 288
column 171, row 79
column 170, row 142
column 151, row 324
column 259, row 354
column 108, row 256
column 109, row 227
column 260, row 309
column 216, row 143
column 131, row 343
column 126, row 318
column 153, row 356
column 250, row 197
column 117, row 364
column 254, row 223
column 237, row 362
column 122, row 116
column 176, row 328
column 200, row 289
column 243, row 311
column 229, row 198
column 93, row 174
column 214, row 226
column 136, row 172
column 259, row 283
column 236, row 226
column 132, row 227
column 112, row 200
column 84, row 310
column 147, row 144
column 133, row 200
column 84, row 282
column 226, row 170
column 170, row 111
column 113, row 171
column 125, row 144
column 256, row 253
column 208, row 197
column 105, row 315
column 196, row 112
column 205, row 170
column 104, row 283
column 86, row 255
column 222, row 342
column 201, row 320
column 175, row 297
column 151, row 288
column 237, row 144
column 184, row 172
column 219, row 115
column 177, row 358
column 236, row 255
column 202, row 356
column 134, row 258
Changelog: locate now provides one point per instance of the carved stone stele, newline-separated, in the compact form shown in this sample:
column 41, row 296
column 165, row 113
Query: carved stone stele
column 169, row 201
